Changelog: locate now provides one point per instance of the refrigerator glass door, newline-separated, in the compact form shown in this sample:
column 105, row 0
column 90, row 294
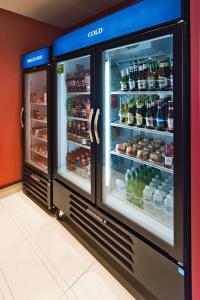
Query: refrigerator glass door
column 138, row 134
column 74, row 115
column 36, row 134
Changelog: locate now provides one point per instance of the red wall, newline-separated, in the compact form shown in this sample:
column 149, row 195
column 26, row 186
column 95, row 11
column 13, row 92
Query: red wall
column 195, row 135
column 18, row 35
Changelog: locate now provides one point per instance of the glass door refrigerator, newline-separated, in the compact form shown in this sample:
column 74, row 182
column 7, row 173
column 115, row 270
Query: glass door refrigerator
column 138, row 216
column 74, row 149
column 36, row 120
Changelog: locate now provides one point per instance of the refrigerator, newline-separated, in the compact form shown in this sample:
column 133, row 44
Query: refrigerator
column 36, row 123
column 121, row 160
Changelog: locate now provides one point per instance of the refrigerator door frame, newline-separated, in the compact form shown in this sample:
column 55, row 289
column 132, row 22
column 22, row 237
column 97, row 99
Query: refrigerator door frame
column 178, row 252
column 76, row 54
column 48, row 69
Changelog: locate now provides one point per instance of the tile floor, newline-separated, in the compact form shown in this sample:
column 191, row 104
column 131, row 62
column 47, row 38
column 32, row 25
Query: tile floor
column 41, row 260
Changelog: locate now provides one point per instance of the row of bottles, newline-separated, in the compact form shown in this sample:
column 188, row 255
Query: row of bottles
column 143, row 76
column 148, row 190
column 151, row 112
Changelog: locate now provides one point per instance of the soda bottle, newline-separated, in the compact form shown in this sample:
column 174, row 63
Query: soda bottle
column 125, row 80
column 151, row 78
column 87, row 107
column 168, row 163
column 139, row 118
column 160, row 118
column 142, row 78
column 170, row 119
column 135, row 69
column 131, row 78
column 149, row 117
column 130, row 117
column 122, row 115
column 129, row 186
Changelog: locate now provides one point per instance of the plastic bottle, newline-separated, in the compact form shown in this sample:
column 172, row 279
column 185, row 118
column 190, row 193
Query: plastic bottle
column 148, row 199
column 158, row 203
column 129, row 186
column 160, row 188
column 169, row 208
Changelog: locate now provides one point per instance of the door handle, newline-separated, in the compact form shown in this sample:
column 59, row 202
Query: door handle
column 96, row 126
column 21, row 116
column 90, row 125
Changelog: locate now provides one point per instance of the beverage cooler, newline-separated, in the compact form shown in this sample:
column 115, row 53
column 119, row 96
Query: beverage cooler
column 121, row 144
column 35, row 119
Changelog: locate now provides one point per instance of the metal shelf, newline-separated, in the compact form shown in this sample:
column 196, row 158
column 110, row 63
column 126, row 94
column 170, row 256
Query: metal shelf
column 80, row 145
column 142, row 92
column 77, row 119
column 153, row 165
column 37, row 120
column 36, row 152
column 39, row 139
column 41, row 104
column 154, row 131
column 77, row 93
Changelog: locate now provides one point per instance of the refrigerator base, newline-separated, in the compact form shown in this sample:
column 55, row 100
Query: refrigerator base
column 37, row 187
column 145, row 272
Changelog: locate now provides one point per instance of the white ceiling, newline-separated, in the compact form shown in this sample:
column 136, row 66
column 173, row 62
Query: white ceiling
column 61, row 13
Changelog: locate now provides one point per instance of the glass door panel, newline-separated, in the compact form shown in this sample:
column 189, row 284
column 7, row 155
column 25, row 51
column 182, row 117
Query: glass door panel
column 138, row 134
column 36, row 135
column 74, row 118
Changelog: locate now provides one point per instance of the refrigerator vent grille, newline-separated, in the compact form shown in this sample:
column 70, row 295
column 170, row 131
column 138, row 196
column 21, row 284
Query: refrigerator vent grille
column 109, row 235
column 36, row 186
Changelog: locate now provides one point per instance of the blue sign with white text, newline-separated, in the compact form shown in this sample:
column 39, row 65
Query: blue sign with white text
column 35, row 58
column 141, row 15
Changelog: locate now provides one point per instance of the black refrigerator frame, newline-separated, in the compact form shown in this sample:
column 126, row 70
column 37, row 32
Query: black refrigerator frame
column 42, row 175
column 77, row 54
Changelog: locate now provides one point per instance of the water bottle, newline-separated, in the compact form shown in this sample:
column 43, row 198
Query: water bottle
column 148, row 199
column 160, row 188
column 169, row 209
column 158, row 204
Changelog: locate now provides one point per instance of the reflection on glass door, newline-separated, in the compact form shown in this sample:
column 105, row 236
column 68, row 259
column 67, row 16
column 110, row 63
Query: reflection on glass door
column 36, row 135
column 74, row 121
column 138, row 137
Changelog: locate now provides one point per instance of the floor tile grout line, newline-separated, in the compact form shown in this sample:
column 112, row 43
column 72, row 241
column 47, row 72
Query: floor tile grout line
column 14, row 246
column 7, row 283
column 71, row 286
column 1, row 292
column 48, row 269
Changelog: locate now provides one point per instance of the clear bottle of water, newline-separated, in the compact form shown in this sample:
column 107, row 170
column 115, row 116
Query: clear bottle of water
column 148, row 199
column 158, row 203
column 169, row 208
column 160, row 188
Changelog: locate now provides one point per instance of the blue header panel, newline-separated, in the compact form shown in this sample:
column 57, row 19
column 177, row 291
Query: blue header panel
column 139, row 16
column 35, row 58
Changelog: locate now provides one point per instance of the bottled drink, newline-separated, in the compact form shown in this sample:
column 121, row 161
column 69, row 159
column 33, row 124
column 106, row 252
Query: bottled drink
column 169, row 208
column 142, row 78
column 170, row 119
column 87, row 107
column 130, row 118
column 129, row 186
column 149, row 117
column 164, row 74
column 139, row 118
column 168, row 163
column 152, row 80
column 171, row 77
column 125, row 80
column 122, row 115
column 158, row 203
column 131, row 78
column 160, row 119
column 135, row 68
column 126, row 109
column 148, row 199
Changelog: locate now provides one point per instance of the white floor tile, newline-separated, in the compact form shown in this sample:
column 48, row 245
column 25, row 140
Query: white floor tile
column 69, row 296
column 27, row 276
column 5, row 290
column 29, row 217
column 97, row 283
column 61, row 282
column 10, row 234
column 67, row 256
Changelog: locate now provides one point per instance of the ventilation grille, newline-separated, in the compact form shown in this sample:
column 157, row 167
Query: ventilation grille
column 106, row 233
column 36, row 186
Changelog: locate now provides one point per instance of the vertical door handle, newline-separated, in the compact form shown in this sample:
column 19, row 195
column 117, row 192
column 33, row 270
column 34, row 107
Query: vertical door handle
column 96, row 126
column 21, row 117
column 90, row 125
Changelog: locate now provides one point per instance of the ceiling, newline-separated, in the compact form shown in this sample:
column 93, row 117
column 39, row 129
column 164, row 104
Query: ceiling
column 60, row 13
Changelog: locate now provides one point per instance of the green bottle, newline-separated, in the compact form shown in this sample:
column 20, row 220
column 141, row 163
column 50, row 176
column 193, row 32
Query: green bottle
column 129, row 186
